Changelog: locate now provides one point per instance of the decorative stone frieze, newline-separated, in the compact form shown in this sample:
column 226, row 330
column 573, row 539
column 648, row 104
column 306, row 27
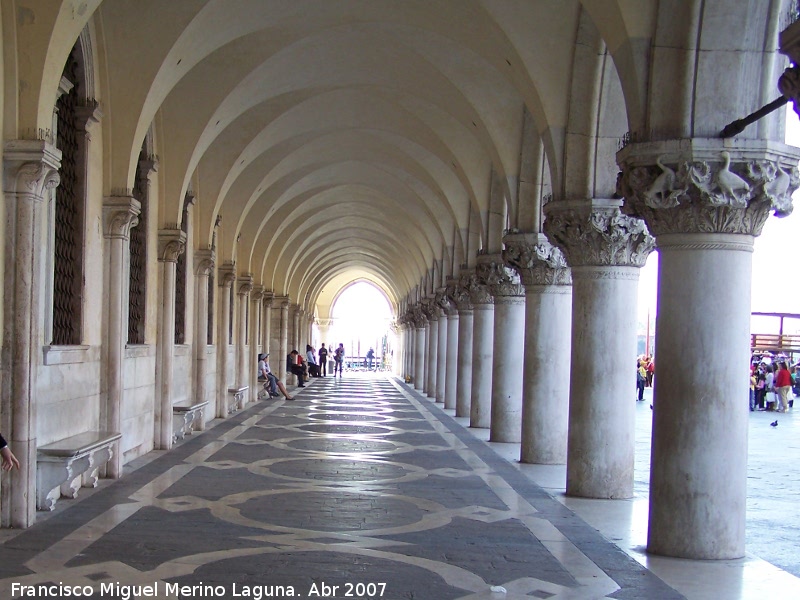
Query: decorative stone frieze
column 704, row 186
column 536, row 260
column 596, row 233
column 120, row 214
column 171, row 244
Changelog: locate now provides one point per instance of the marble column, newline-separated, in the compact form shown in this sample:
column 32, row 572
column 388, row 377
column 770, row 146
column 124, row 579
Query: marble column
column 120, row 214
column 704, row 217
column 508, row 348
column 256, row 330
column 243, row 289
column 464, row 365
column 432, row 356
column 227, row 275
column 30, row 171
column 480, row 412
column 419, row 346
column 267, row 302
column 284, row 351
column 441, row 348
column 605, row 250
column 171, row 244
column 548, row 323
column 451, row 362
column 204, row 265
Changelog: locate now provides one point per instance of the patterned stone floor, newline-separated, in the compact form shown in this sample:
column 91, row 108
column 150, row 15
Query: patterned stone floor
column 357, row 489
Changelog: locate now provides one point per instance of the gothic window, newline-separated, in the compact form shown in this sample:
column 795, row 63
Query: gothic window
column 138, row 263
column 69, row 212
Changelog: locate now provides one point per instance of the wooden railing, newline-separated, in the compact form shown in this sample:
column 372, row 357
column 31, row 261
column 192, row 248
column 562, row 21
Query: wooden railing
column 775, row 342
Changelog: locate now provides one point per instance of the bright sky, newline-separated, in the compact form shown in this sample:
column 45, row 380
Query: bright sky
column 775, row 286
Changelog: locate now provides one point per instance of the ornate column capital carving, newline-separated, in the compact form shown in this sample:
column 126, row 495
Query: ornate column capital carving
column 500, row 279
column 596, row 233
column 204, row 261
column 120, row 214
column 430, row 308
column 706, row 186
column 442, row 300
column 30, row 168
column 417, row 316
column 171, row 244
column 257, row 294
column 269, row 297
column 87, row 116
column 457, row 295
column 244, row 284
column 227, row 275
column 536, row 260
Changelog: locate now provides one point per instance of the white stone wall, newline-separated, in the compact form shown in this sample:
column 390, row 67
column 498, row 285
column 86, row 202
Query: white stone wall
column 183, row 370
column 138, row 402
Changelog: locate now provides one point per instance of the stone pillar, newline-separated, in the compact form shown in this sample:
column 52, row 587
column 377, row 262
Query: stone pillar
column 419, row 346
column 204, row 265
column 171, row 244
column 243, row 289
column 433, row 313
column 441, row 349
column 605, row 249
column 464, row 365
column 284, row 338
column 451, row 363
column 480, row 413
column 30, row 171
column 256, row 330
column 508, row 348
column 704, row 214
column 120, row 214
column 227, row 275
column 546, row 372
column 267, row 302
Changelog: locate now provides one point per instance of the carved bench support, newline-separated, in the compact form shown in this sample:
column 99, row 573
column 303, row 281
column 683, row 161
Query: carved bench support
column 188, row 418
column 65, row 466
column 236, row 400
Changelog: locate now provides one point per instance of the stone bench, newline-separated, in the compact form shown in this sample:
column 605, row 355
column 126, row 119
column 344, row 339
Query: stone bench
column 187, row 418
column 69, row 464
column 236, row 400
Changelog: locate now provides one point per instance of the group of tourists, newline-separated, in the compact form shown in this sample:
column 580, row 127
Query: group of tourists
column 773, row 384
column 303, row 367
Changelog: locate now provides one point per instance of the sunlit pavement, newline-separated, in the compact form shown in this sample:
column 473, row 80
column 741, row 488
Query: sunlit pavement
column 772, row 567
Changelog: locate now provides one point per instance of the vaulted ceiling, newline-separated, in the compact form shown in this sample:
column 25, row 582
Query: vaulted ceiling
column 338, row 139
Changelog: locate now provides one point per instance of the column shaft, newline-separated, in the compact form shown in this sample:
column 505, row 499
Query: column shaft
column 431, row 358
column 465, row 363
column 226, row 278
column 602, row 399
column 509, row 348
column 698, row 477
column 441, row 358
column 482, row 357
column 419, row 358
column 451, row 362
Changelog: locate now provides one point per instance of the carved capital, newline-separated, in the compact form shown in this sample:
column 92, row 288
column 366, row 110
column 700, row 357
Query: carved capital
column 258, row 293
column 268, row 299
column 417, row 316
column 244, row 284
column 171, row 244
column 120, row 214
column 536, row 260
column 458, row 291
column 431, row 308
column 87, row 116
column 443, row 301
column 703, row 186
column 596, row 233
column 227, row 275
column 500, row 279
column 30, row 168
column 204, row 261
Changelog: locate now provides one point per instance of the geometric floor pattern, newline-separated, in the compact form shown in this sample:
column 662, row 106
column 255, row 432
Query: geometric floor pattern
column 360, row 488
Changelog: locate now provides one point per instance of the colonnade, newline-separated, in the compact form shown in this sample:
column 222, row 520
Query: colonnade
column 546, row 335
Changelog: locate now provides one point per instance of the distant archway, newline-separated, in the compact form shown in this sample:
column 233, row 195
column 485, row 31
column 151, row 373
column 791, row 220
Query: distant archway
column 361, row 318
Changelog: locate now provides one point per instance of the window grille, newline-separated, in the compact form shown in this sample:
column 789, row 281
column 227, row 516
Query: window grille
column 138, row 263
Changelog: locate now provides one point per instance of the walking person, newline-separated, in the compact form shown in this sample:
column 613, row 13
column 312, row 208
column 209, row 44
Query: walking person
column 783, row 385
column 323, row 360
column 338, row 359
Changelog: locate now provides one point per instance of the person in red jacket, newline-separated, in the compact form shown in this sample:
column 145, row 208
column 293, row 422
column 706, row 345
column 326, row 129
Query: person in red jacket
column 783, row 385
